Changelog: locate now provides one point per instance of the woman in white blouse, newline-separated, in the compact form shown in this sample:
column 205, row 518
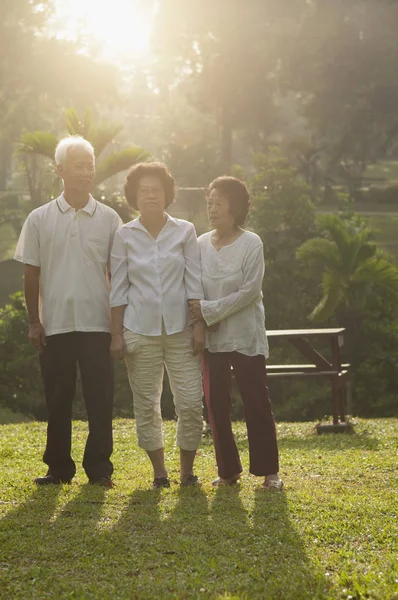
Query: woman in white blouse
column 155, row 265
column 232, row 262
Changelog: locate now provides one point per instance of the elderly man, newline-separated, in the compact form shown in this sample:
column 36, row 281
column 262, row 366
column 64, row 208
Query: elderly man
column 65, row 247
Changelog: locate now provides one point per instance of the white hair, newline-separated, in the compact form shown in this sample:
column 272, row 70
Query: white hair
column 69, row 143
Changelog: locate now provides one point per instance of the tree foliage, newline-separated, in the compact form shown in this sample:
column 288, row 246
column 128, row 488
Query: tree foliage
column 351, row 264
column 283, row 214
column 101, row 135
column 341, row 61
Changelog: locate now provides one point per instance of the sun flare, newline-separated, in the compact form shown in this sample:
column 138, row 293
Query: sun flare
column 121, row 28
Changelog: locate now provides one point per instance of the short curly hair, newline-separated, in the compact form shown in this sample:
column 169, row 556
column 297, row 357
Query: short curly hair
column 237, row 194
column 141, row 170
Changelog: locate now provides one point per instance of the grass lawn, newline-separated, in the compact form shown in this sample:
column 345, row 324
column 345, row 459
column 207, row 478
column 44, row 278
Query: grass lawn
column 386, row 228
column 332, row 533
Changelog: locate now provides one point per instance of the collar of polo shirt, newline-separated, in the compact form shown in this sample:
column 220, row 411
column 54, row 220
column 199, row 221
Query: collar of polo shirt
column 137, row 223
column 89, row 208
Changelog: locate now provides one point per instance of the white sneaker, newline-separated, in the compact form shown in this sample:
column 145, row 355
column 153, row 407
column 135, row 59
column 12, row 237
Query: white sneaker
column 273, row 482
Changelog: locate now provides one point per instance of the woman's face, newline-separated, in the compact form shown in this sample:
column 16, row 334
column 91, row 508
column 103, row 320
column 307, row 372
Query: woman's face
column 218, row 211
column 151, row 198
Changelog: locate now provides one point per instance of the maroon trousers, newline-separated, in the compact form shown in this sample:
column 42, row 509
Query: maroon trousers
column 251, row 377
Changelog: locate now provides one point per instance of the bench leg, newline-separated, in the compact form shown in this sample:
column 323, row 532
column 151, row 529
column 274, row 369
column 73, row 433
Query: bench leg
column 336, row 402
column 342, row 399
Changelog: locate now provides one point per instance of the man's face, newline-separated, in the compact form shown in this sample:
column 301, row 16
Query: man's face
column 78, row 170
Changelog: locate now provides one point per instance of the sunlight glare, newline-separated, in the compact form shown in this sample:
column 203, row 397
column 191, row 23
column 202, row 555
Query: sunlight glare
column 122, row 27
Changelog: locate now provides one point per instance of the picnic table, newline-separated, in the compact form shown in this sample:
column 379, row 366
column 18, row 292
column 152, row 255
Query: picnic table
column 319, row 365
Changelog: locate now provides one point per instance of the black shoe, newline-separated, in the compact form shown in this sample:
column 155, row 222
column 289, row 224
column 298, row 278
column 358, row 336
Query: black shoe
column 160, row 482
column 51, row 480
column 190, row 480
column 105, row 482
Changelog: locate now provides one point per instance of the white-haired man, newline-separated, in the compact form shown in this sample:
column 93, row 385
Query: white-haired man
column 65, row 247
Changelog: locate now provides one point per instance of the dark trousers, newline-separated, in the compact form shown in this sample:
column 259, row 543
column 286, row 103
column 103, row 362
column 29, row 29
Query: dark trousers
column 59, row 360
column 251, row 377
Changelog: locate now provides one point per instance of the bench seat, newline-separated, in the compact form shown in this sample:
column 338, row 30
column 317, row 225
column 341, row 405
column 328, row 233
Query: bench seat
column 304, row 371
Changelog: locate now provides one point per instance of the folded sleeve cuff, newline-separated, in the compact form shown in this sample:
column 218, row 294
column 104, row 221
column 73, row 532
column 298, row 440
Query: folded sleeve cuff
column 114, row 302
column 209, row 311
column 26, row 261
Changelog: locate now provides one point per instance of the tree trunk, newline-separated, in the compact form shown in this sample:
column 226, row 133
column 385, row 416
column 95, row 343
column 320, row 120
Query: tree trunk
column 5, row 163
column 226, row 139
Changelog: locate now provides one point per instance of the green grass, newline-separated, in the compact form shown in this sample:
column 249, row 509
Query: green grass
column 387, row 169
column 385, row 227
column 333, row 532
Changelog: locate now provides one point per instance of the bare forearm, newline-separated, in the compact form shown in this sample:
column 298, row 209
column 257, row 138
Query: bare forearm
column 117, row 319
column 194, row 314
column 32, row 292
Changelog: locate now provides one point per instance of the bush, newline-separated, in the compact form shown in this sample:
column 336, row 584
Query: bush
column 20, row 381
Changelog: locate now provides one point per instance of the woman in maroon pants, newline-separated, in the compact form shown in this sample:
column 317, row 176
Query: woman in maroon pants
column 232, row 273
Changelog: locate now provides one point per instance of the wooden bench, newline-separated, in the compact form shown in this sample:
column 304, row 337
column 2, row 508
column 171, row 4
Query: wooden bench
column 319, row 366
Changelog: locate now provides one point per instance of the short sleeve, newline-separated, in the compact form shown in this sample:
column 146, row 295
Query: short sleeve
column 28, row 247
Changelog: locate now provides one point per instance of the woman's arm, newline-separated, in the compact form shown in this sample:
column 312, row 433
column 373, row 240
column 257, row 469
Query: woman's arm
column 117, row 342
column 193, row 272
column 213, row 311
column 193, row 285
column 118, row 294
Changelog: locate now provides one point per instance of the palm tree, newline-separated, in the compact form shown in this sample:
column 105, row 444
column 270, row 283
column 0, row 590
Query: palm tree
column 350, row 265
column 43, row 143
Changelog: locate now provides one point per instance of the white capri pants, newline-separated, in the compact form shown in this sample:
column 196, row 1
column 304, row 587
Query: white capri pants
column 145, row 359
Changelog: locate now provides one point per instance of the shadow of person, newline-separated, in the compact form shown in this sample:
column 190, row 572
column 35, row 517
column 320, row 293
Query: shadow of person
column 24, row 531
column 129, row 551
column 84, row 509
column 283, row 569
column 235, row 546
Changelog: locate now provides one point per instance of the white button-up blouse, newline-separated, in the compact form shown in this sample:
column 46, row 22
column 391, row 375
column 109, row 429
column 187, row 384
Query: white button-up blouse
column 232, row 281
column 155, row 277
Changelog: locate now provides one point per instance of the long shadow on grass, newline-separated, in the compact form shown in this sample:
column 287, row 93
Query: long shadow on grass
column 211, row 546
column 258, row 549
column 52, row 547
column 24, row 533
column 165, row 544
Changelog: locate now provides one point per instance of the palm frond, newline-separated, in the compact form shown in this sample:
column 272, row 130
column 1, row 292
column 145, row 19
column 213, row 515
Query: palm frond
column 102, row 136
column 99, row 135
column 378, row 271
column 347, row 236
column 120, row 161
column 75, row 125
column 333, row 296
column 319, row 251
column 38, row 142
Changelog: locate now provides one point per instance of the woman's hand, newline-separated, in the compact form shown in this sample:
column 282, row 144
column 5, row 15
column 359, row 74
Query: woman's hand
column 195, row 311
column 117, row 346
column 198, row 337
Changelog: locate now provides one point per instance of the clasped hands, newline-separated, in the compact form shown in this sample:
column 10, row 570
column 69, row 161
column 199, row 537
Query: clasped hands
column 195, row 310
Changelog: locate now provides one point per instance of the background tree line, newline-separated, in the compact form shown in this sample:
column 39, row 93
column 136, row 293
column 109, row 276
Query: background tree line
column 298, row 98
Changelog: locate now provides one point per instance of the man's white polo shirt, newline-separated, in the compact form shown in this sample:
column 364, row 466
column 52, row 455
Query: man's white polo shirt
column 72, row 248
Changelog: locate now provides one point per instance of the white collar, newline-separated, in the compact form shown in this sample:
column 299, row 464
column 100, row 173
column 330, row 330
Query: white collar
column 64, row 205
column 136, row 223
